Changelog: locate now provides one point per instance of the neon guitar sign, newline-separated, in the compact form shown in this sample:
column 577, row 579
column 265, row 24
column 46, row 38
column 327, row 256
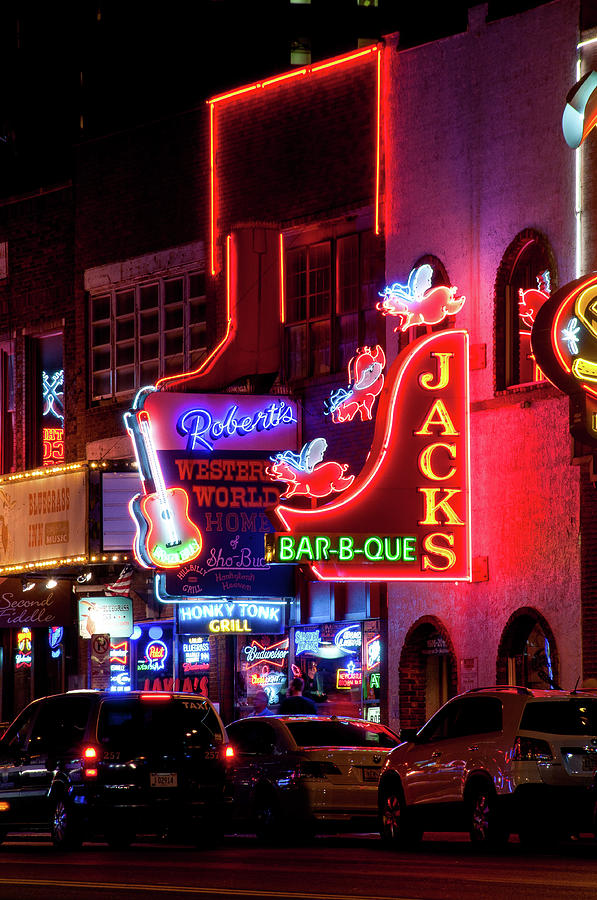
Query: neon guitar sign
column 166, row 537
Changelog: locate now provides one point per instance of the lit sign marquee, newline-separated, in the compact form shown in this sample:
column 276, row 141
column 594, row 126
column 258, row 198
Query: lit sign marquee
column 306, row 642
column 195, row 654
column 349, row 639
column 349, row 677
column 373, row 652
column 201, row 517
column 274, row 654
column 406, row 517
column 564, row 343
column 53, row 409
column 120, row 677
column 23, row 655
column 365, row 381
column 261, row 616
column 156, row 653
column 345, row 548
column 417, row 303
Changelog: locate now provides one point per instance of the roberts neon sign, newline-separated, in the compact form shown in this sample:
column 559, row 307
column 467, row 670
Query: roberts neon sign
column 406, row 517
column 202, row 429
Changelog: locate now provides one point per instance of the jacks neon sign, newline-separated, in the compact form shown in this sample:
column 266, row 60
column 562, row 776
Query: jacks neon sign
column 406, row 516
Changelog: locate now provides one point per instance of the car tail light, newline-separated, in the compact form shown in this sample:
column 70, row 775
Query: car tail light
column 530, row 750
column 154, row 695
column 229, row 753
column 89, row 762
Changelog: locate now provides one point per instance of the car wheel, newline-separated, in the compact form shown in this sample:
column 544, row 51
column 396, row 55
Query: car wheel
column 268, row 820
column 395, row 826
column 485, row 824
column 64, row 828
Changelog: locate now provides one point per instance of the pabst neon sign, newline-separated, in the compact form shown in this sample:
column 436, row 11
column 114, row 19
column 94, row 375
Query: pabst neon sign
column 406, row 517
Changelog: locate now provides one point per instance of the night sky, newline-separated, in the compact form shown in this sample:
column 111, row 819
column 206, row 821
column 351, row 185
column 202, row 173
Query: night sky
column 76, row 70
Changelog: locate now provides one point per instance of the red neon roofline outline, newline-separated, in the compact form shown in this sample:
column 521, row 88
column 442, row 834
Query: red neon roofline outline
column 351, row 494
column 230, row 333
column 312, row 69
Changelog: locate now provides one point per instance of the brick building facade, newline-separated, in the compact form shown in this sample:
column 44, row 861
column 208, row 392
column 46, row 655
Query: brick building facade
column 368, row 165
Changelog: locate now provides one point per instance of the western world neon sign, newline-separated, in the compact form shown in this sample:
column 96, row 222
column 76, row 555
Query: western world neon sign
column 406, row 516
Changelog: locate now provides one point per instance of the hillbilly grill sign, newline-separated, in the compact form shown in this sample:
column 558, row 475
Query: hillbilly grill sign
column 406, row 517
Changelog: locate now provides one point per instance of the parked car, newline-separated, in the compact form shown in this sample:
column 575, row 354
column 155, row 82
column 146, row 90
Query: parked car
column 306, row 773
column 492, row 762
column 87, row 763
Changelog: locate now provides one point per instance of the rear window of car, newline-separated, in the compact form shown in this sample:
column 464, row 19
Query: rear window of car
column 341, row 734
column 135, row 725
column 574, row 716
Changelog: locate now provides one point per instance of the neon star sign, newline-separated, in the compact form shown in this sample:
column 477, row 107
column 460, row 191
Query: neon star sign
column 406, row 516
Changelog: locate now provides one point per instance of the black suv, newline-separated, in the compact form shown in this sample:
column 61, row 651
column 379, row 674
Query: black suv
column 87, row 763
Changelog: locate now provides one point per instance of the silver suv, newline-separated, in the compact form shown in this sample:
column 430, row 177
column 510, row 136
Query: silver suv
column 491, row 762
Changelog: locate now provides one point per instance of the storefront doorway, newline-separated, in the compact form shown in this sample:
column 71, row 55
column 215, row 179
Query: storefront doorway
column 527, row 653
column 427, row 672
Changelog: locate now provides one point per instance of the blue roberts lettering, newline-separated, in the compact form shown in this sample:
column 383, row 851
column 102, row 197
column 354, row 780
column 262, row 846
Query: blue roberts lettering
column 202, row 429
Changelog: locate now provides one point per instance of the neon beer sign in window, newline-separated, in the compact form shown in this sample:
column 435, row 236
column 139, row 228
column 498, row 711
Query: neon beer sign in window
column 406, row 516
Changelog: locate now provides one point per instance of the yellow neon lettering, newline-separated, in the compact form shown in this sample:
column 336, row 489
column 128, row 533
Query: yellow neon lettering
column 438, row 415
column 432, row 505
column 443, row 375
column 214, row 626
column 430, row 545
column 425, row 466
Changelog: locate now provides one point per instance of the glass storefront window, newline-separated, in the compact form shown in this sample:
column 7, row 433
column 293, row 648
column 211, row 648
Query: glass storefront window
column 153, row 667
column 261, row 665
column 329, row 659
column 372, row 671
column 193, row 663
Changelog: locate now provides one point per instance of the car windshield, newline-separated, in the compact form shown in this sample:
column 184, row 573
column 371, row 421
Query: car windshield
column 314, row 733
column 139, row 725
column 574, row 716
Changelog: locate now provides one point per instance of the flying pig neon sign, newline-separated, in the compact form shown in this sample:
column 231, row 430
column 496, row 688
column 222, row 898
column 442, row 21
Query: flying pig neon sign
column 417, row 303
column 305, row 474
column 406, row 516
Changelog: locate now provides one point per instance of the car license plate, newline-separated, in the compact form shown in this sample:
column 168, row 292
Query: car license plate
column 163, row 779
column 371, row 773
column 589, row 763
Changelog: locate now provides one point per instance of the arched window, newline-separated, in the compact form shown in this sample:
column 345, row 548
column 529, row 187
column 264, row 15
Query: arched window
column 527, row 654
column 525, row 279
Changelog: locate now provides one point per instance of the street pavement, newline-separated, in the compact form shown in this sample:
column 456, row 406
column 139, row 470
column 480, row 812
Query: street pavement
column 348, row 867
